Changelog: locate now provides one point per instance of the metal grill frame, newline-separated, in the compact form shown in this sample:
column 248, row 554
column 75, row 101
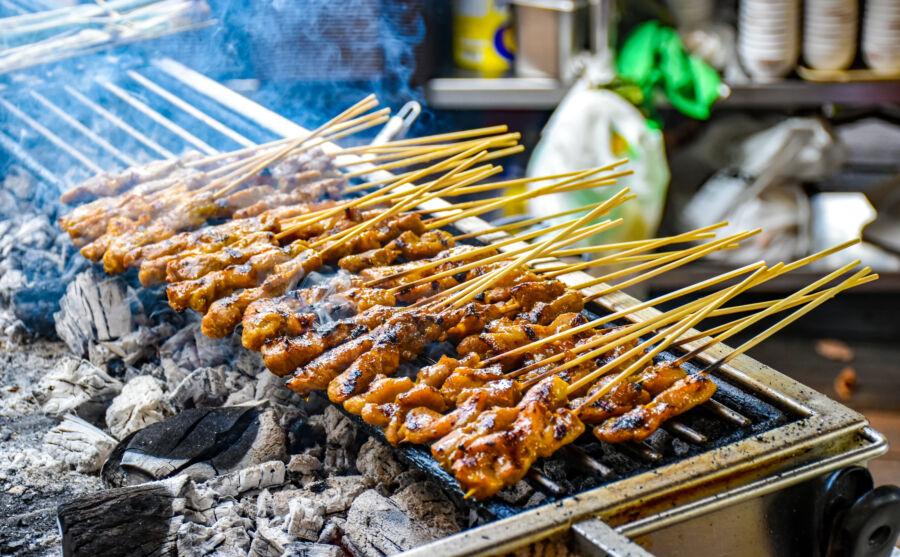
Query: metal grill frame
column 827, row 436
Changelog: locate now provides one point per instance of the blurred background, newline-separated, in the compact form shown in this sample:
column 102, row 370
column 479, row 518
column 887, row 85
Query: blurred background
column 777, row 114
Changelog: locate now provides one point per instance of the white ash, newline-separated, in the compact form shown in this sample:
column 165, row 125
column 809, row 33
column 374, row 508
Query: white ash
column 131, row 348
column 94, row 308
column 79, row 387
column 208, row 387
column 78, row 444
column 376, row 525
column 142, row 402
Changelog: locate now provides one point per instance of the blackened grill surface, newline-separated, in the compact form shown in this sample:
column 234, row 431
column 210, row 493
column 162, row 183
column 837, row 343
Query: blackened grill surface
column 624, row 460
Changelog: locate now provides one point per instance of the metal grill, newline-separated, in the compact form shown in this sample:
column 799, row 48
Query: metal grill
column 67, row 133
column 758, row 422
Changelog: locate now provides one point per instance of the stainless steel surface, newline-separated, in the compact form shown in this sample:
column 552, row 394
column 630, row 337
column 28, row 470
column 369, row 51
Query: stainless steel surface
column 596, row 539
column 549, row 36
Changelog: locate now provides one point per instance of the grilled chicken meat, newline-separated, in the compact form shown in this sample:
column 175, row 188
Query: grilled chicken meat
column 637, row 424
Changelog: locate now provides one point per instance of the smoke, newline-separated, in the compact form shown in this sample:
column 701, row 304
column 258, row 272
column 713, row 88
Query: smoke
column 312, row 58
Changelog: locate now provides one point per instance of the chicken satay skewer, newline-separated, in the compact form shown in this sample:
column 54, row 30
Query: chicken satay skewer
column 684, row 394
column 418, row 196
column 695, row 389
column 378, row 194
column 661, row 340
column 610, row 341
column 624, row 313
column 258, row 164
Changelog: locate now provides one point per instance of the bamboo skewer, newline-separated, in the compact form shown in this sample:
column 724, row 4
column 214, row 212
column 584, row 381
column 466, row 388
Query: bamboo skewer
column 502, row 201
column 678, row 260
column 437, row 153
column 451, row 136
column 652, row 244
column 504, row 140
column 372, row 183
column 819, row 300
column 605, row 342
column 485, row 187
column 583, row 175
column 257, row 164
column 733, row 327
column 560, row 239
column 662, row 341
column 325, row 213
column 416, row 197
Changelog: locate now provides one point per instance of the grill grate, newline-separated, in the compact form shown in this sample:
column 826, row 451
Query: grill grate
column 66, row 133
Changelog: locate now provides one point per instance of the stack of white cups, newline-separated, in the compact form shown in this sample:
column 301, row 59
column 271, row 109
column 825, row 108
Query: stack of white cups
column 881, row 36
column 768, row 37
column 829, row 33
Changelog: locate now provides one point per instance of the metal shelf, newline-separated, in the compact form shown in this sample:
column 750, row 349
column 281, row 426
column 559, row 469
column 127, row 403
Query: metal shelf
column 501, row 93
column 527, row 93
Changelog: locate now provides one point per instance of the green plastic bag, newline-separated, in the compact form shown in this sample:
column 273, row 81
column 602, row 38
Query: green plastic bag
column 653, row 57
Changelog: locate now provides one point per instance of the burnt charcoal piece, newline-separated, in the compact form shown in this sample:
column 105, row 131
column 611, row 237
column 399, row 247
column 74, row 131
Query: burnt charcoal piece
column 136, row 520
column 200, row 442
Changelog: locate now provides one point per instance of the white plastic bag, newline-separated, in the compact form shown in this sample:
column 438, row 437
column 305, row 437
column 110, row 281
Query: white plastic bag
column 595, row 127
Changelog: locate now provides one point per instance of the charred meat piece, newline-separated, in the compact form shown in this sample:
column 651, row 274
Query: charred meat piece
column 638, row 423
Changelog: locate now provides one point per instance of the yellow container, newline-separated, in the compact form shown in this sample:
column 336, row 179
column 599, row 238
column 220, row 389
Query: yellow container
column 482, row 36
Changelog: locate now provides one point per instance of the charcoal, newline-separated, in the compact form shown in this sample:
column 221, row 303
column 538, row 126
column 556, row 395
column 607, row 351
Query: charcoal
column 376, row 462
column 135, row 520
column 268, row 540
column 142, row 402
column 131, row 348
column 304, row 464
column 306, row 549
column 427, row 504
column 94, row 308
column 189, row 349
column 201, row 443
column 306, row 516
column 341, row 440
column 207, row 387
column 377, row 525
column 79, row 444
column 76, row 386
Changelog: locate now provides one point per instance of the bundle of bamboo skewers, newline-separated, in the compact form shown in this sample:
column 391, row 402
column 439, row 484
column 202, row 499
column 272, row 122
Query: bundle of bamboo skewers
column 530, row 372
